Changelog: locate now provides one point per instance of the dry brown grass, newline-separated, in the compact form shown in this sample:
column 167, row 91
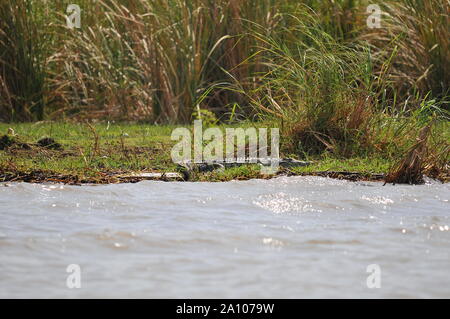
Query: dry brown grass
column 410, row 169
column 413, row 50
column 153, row 61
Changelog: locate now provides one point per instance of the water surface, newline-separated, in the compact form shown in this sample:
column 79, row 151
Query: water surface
column 296, row 237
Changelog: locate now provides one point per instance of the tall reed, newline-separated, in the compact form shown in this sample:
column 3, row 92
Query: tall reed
column 24, row 42
column 161, row 60
column 329, row 95
column 153, row 60
column 413, row 48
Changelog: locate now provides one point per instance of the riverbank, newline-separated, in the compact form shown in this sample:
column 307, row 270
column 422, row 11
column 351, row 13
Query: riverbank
column 127, row 153
column 355, row 99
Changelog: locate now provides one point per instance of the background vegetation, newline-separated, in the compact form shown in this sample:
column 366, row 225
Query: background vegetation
column 311, row 67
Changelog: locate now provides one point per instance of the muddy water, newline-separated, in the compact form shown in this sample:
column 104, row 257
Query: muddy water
column 282, row 238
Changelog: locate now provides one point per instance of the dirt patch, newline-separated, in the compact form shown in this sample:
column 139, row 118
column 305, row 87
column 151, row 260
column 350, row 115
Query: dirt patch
column 49, row 143
column 41, row 176
column 7, row 141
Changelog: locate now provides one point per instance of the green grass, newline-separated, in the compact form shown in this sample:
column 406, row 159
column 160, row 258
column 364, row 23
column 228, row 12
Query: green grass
column 233, row 173
column 91, row 151
column 120, row 148
column 357, row 165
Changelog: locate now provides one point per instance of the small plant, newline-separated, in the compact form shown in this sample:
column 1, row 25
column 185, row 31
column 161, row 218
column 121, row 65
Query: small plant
column 207, row 117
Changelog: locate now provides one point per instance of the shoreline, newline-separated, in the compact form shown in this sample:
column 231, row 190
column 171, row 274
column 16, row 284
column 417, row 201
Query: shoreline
column 78, row 154
column 106, row 178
